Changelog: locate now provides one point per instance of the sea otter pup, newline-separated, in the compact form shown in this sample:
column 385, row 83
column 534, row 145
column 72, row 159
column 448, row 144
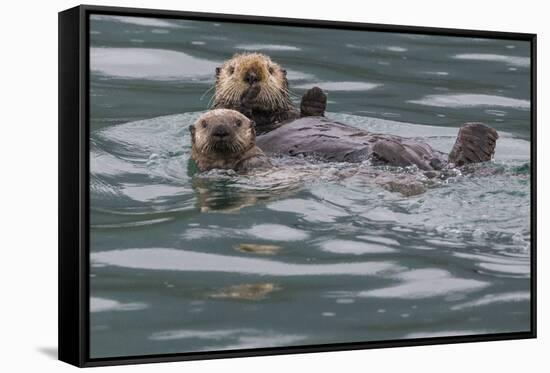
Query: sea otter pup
column 254, row 85
column 225, row 139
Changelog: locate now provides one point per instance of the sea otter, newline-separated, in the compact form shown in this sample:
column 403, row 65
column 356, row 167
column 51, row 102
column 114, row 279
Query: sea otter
column 257, row 87
column 225, row 139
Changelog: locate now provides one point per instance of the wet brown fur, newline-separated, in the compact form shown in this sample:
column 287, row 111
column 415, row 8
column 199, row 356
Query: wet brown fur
column 264, row 98
column 237, row 150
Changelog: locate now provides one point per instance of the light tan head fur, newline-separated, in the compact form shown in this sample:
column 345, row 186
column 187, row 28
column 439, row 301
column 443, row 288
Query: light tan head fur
column 221, row 132
column 246, row 70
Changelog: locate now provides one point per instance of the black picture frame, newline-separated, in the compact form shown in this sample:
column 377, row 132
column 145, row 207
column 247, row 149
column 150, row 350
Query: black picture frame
column 74, row 203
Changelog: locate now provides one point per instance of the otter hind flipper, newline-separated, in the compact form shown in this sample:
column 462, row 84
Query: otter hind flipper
column 475, row 143
column 314, row 103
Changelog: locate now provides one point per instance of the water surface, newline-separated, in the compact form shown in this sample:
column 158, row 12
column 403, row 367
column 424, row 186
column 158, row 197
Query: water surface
column 307, row 253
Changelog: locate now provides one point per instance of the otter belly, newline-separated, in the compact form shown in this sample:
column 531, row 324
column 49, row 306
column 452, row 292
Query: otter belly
column 338, row 142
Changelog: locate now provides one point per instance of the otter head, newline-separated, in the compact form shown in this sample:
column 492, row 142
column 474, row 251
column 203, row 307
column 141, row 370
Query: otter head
column 254, row 80
column 222, row 132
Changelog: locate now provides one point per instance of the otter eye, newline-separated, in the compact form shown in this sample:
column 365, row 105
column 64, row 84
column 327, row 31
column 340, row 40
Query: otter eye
column 204, row 124
column 231, row 70
column 271, row 69
column 238, row 123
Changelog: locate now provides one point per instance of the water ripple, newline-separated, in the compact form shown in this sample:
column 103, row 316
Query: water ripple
column 154, row 64
column 471, row 100
column 183, row 260
column 104, row 305
column 426, row 283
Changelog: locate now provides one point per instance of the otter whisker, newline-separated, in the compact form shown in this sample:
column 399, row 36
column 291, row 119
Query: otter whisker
column 269, row 97
column 287, row 92
column 208, row 90
column 232, row 95
column 214, row 99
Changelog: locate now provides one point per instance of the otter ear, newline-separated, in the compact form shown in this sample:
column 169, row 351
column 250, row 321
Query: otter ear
column 192, row 130
column 284, row 72
column 218, row 70
column 252, row 124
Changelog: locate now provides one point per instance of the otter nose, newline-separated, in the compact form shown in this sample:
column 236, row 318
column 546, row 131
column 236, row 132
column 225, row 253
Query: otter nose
column 251, row 77
column 220, row 132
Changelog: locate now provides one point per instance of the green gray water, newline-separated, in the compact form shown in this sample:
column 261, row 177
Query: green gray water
column 355, row 262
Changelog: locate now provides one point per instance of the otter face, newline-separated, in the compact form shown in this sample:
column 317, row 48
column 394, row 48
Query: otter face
column 255, row 78
column 222, row 131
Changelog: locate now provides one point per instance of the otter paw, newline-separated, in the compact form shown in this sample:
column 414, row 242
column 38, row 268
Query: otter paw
column 248, row 98
column 314, row 103
column 475, row 143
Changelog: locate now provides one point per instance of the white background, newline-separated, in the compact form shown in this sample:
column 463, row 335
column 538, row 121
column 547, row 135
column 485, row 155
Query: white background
column 28, row 194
